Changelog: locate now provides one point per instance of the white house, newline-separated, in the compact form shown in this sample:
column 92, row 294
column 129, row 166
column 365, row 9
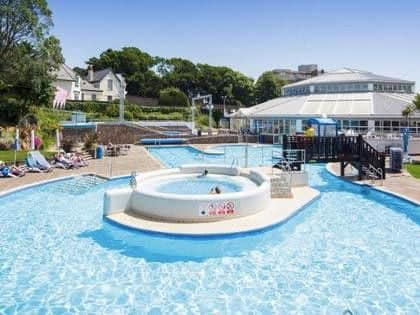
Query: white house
column 67, row 79
column 107, row 81
column 103, row 85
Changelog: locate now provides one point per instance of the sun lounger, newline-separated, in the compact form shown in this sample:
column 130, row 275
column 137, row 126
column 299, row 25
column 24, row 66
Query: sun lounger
column 35, row 160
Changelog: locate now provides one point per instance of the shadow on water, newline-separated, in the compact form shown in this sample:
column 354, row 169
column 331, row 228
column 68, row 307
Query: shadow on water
column 168, row 249
column 162, row 248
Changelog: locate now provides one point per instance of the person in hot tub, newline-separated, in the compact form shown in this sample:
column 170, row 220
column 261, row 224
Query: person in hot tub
column 215, row 190
column 205, row 173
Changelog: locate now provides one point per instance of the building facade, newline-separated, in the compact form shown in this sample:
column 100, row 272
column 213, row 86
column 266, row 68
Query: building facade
column 304, row 72
column 359, row 101
column 101, row 85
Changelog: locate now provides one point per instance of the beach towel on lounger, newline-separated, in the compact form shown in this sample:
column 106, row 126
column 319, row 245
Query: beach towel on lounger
column 37, row 160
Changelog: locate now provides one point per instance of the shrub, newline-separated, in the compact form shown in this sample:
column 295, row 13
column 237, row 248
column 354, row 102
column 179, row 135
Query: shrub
column 112, row 111
column 68, row 145
column 128, row 115
column 4, row 146
column 173, row 97
column 90, row 141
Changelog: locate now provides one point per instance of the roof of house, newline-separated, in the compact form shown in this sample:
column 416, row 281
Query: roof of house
column 86, row 86
column 349, row 105
column 347, row 75
column 100, row 74
column 65, row 73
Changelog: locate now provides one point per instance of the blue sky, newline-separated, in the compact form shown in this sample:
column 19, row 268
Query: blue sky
column 249, row 36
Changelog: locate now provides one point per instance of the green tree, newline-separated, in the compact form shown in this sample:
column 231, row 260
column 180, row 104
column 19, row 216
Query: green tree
column 180, row 73
column 267, row 87
column 410, row 109
column 214, row 80
column 173, row 97
column 416, row 102
column 22, row 21
column 135, row 65
column 27, row 56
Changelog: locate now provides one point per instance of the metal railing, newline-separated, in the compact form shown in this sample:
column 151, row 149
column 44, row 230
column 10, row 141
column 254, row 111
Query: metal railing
column 373, row 174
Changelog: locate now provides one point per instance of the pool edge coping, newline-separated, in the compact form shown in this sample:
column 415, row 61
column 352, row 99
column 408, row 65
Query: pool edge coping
column 57, row 179
column 260, row 229
column 379, row 189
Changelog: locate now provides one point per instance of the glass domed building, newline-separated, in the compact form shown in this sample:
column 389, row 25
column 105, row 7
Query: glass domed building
column 358, row 100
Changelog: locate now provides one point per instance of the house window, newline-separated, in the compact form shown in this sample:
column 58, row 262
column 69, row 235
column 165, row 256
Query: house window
column 93, row 97
column 97, row 85
column 109, row 98
column 110, row 85
column 83, row 96
column 76, row 96
column 77, row 82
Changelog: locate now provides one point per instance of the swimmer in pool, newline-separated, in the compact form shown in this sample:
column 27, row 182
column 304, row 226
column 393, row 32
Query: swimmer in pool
column 205, row 173
column 215, row 190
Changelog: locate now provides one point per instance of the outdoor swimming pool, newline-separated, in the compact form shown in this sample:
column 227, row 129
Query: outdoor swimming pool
column 353, row 248
column 174, row 156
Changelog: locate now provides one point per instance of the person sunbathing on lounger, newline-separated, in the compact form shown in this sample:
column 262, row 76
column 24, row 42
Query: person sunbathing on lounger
column 17, row 170
column 5, row 171
column 77, row 160
column 61, row 160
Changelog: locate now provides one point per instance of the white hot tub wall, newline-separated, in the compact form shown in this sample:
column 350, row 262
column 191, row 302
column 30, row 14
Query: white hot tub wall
column 172, row 207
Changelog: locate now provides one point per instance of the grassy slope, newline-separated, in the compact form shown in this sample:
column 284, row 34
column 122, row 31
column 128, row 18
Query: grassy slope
column 8, row 156
column 413, row 169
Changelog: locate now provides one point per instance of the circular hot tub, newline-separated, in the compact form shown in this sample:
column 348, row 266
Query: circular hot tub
column 185, row 195
column 197, row 184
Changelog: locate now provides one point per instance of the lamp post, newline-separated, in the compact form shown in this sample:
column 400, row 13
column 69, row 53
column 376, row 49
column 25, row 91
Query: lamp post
column 192, row 117
column 122, row 98
column 246, row 141
column 224, row 106
column 210, row 107
column 207, row 100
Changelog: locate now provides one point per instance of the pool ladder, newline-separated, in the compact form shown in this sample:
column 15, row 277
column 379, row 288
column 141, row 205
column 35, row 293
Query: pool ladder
column 373, row 174
column 281, row 183
column 235, row 162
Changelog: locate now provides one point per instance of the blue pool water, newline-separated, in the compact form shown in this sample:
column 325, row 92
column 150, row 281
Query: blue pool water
column 199, row 185
column 174, row 156
column 353, row 248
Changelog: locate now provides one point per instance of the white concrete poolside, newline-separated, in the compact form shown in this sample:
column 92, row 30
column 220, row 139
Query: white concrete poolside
column 279, row 210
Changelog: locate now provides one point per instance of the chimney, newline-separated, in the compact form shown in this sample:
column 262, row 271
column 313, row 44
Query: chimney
column 90, row 73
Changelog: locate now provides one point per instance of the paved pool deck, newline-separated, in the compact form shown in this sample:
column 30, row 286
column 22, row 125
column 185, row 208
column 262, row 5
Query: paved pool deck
column 137, row 159
column 278, row 211
column 401, row 184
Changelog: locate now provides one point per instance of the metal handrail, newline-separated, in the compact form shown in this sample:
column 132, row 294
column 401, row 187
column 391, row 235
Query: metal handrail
column 234, row 162
column 373, row 173
column 378, row 173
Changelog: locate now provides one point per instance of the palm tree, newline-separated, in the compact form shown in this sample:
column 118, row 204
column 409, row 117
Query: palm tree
column 416, row 102
column 410, row 109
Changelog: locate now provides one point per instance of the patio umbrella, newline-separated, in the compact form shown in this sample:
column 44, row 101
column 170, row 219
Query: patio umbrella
column 16, row 145
column 57, row 139
column 32, row 139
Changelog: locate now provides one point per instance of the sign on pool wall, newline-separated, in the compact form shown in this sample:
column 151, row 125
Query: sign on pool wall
column 216, row 208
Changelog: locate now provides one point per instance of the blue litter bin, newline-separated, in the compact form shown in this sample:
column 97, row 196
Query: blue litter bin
column 99, row 152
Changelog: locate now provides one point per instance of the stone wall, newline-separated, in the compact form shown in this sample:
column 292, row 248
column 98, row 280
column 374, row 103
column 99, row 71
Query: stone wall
column 126, row 134
column 115, row 133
